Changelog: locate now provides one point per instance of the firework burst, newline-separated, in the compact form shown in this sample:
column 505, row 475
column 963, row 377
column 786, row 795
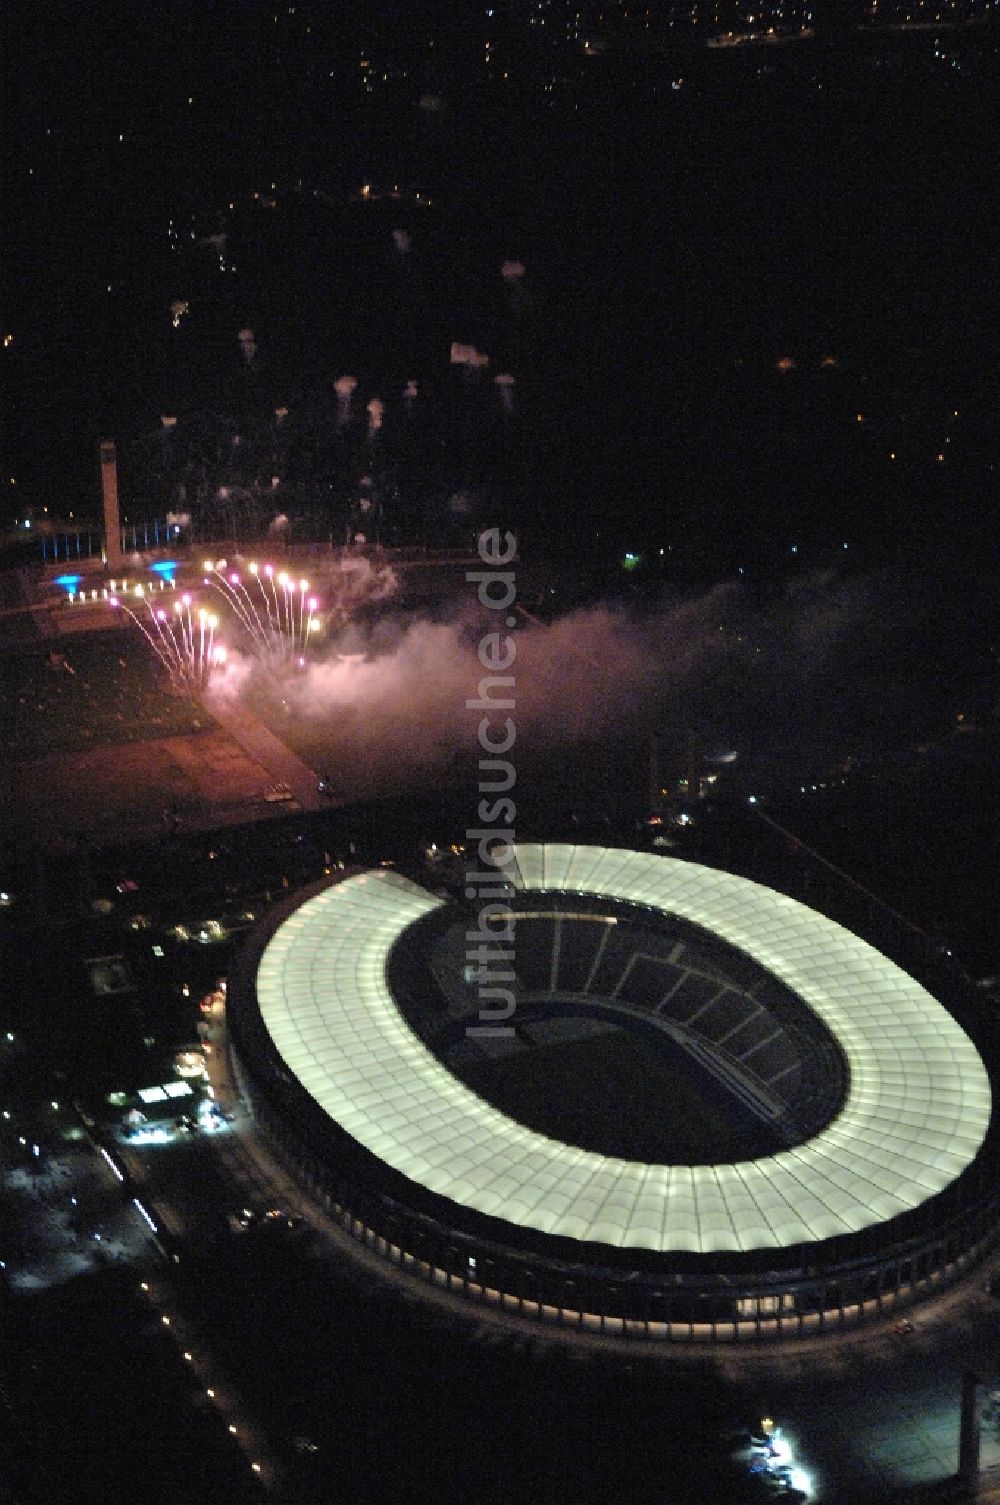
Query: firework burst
column 183, row 639
column 274, row 610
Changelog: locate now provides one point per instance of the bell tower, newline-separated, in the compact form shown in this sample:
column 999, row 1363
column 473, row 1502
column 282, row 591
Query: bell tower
column 113, row 556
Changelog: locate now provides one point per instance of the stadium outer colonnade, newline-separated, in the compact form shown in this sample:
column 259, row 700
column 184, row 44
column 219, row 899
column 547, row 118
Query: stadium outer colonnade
column 687, row 1305
column 840, row 1300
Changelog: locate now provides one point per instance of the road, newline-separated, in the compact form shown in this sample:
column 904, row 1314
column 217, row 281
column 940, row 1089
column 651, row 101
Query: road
column 285, row 770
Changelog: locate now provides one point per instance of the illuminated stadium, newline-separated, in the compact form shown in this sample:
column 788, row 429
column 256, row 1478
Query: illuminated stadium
column 712, row 1113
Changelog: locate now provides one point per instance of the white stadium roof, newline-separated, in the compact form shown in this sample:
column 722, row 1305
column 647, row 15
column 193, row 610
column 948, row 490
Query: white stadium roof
column 916, row 1113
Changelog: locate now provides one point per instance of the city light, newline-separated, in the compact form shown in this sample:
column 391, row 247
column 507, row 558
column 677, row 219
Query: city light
column 270, row 728
column 144, row 1214
column 118, row 1174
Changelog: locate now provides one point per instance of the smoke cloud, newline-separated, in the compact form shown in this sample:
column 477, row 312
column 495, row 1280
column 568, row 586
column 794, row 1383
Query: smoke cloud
column 505, row 384
column 344, row 387
column 383, row 705
column 467, row 355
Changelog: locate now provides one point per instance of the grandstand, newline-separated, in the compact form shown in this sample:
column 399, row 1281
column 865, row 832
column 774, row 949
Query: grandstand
column 753, row 1052
column 714, row 1114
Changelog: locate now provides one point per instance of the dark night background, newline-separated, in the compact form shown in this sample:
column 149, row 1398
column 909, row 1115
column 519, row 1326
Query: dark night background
column 754, row 345
column 829, row 201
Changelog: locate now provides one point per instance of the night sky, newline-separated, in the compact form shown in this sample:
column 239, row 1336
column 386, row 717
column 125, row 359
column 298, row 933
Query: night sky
column 758, row 303
column 743, row 305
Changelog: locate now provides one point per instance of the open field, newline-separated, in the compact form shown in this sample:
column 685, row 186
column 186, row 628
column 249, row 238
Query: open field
column 616, row 1096
column 86, row 690
column 94, row 749
column 113, row 794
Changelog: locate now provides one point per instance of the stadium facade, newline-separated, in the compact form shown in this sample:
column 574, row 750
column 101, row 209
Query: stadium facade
column 714, row 1114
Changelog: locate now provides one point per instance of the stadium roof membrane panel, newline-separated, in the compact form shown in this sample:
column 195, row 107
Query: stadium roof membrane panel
column 917, row 1109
